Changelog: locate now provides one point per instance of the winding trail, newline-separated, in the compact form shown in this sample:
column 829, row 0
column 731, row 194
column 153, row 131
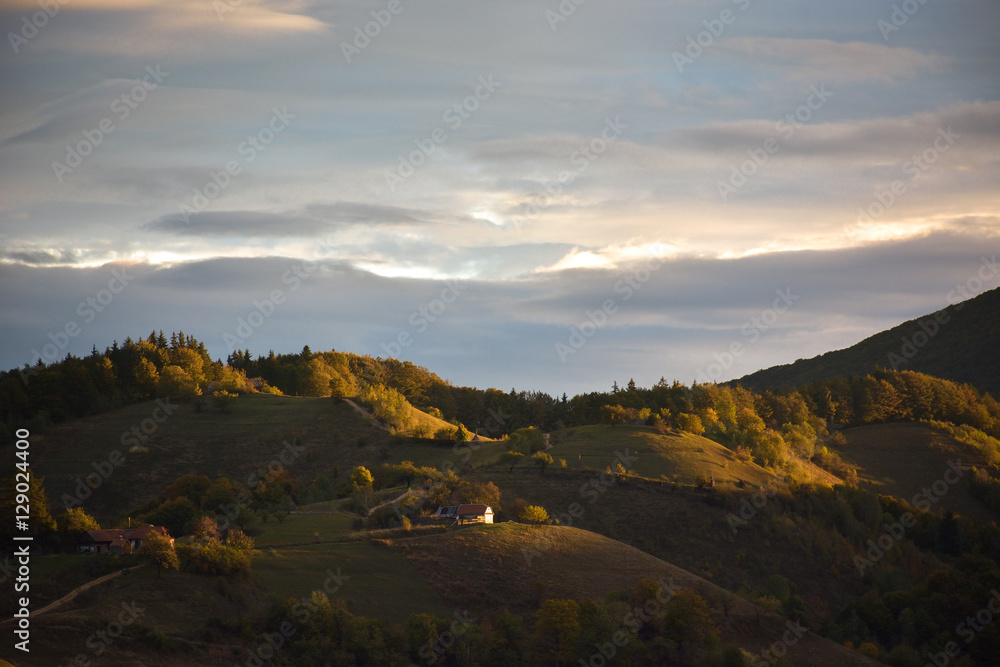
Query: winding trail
column 364, row 413
column 76, row 591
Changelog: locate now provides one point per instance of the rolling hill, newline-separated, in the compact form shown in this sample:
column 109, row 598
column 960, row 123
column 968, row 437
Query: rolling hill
column 905, row 460
column 484, row 568
column 476, row 569
column 313, row 435
column 963, row 349
column 677, row 456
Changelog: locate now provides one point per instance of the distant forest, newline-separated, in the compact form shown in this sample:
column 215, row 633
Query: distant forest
column 766, row 425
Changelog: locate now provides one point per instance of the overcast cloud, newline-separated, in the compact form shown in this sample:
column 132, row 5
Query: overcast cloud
column 527, row 158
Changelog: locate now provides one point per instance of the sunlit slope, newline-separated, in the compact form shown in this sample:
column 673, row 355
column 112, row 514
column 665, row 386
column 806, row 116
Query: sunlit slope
column 906, row 460
column 681, row 457
column 137, row 450
column 485, row 568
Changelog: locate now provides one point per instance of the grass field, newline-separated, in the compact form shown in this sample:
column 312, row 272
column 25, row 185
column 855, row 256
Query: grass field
column 480, row 569
column 689, row 528
column 676, row 456
column 236, row 444
column 174, row 606
column 904, row 459
column 304, row 526
column 380, row 582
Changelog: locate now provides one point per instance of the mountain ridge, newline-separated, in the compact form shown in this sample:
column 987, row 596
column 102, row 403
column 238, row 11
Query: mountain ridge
column 955, row 343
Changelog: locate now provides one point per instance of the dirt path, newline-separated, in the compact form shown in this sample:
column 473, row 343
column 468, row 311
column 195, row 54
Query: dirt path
column 394, row 500
column 364, row 413
column 76, row 591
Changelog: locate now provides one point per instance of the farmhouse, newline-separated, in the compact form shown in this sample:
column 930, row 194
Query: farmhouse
column 474, row 514
column 123, row 541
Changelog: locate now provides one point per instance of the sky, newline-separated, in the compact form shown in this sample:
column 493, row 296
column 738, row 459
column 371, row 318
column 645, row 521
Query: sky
column 543, row 195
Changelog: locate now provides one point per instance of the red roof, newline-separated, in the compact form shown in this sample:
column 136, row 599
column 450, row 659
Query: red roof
column 137, row 533
column 140, row 532
column 474, row 509
column 107, row 535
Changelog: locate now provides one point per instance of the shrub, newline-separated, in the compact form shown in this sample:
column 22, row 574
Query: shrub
column 534, row 514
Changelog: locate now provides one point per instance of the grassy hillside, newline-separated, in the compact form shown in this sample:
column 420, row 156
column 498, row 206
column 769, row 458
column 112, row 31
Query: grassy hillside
column 235, row 444
column 476, row 569
column 903, row 459
column 963, row 350
column 484, row 568
column 677, row 456
column 378, row 582
column 689, row 528
column 172, row 610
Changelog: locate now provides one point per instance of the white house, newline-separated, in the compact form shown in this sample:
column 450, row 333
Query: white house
column 474, row 514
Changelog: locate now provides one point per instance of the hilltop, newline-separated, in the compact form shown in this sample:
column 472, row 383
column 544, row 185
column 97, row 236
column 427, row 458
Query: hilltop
column 306, row 436
column 957, row 343
column 513, row 566
column 905, row 460
column 679, row 456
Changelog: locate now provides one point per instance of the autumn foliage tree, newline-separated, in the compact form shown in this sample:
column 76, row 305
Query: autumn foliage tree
column 542, row 460
column 160, row 550
column 557, row 631
column 534, row 514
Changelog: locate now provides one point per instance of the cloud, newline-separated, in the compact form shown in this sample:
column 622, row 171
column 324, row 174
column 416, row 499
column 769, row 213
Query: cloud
column 827, row 61
column 312, row 220
column 504, row 332
column 157, row 27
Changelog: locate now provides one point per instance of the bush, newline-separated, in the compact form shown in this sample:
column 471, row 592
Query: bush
column 690, row 423
column 388, row 405
column 526, row 440
column 534, row 514
column 213, row 557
